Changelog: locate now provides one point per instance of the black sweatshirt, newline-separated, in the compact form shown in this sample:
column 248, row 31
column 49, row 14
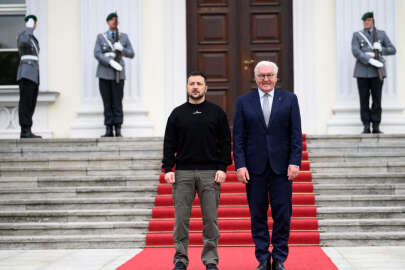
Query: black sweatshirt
column 200, row 135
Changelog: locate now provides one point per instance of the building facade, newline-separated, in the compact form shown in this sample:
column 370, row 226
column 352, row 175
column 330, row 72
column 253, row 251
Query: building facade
column 309, row 39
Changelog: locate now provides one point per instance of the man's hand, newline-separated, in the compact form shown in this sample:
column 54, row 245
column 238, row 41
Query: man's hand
column 371, row 54
column 377, row 46
column 115, row 65
column 220, row 177
column 30, row 23
column 293, row 171
column 243, row 175
column 170, row 178
column 118, row 46
column 375, row 63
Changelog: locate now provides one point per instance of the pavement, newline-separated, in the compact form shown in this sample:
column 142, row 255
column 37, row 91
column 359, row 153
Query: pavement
column 345, row 258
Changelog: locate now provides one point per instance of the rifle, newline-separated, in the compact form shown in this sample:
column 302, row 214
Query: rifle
column 377, row 53
column 117, row 57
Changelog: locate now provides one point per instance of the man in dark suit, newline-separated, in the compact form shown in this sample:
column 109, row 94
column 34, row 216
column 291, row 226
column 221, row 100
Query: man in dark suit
column 267, row 150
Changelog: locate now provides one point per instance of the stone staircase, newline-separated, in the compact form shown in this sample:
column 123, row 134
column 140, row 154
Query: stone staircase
column 99, row 193
column 359, row 181
column 77, row 193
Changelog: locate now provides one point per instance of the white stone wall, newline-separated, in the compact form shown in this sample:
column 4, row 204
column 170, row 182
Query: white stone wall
column 157, row 76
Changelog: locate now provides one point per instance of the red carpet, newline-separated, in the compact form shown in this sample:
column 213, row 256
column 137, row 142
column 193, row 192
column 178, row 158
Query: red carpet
column 236, row 245
column 230, row 258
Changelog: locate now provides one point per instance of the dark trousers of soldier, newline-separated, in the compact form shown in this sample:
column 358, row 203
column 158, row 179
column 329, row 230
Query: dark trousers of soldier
column 28, row 101
column 367, row 87
column 112, row 94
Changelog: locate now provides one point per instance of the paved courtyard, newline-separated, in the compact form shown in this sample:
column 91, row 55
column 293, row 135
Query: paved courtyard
column 353, row 258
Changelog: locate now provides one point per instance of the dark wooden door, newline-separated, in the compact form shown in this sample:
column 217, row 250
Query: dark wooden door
column 226, row 38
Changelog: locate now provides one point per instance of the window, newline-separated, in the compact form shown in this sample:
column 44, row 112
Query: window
column 12, row 13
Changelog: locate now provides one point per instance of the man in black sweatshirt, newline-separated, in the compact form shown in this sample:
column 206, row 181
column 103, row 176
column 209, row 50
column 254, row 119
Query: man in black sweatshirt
column 198, row 141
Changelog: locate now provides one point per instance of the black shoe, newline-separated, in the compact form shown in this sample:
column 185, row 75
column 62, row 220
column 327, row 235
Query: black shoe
column 212, row 266
column 179, row 266
column 264, row 265
column 118, row 131
column 277, row 265
column 376, row 129
column 108, row 132
column 366, row 130
column 26, row 133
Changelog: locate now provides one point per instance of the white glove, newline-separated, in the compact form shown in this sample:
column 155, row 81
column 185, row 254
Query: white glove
column 30, row 23
column 118, row 46
column 375, row 63
column 377, row 46
column 115, row 65
column 371, row 54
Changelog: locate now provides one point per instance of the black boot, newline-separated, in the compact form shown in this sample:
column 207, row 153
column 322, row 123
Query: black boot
column 376, row 128
column 108, row 132
column 366, row 129
column 118, row 131
column 26, row 133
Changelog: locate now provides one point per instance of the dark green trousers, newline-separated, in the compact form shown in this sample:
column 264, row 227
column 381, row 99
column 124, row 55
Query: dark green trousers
column 184, row 191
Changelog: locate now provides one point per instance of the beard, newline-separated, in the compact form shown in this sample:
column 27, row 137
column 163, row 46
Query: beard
column 200, row 96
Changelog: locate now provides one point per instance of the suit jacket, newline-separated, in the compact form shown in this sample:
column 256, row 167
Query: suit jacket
column 280, row 143
column 28, row 45
column 362, row 68
column 104, row 70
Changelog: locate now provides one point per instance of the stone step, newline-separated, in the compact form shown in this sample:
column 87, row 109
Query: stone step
column 366, row 148
column 132, row 170
column 78, row 142
column 360, row 200
column 83, row 151
column 362, row 238
column 333, row 212
column 362, row 225
column 358, row 178
column 315, row 157
column 358, row 167
column 355, row 138
column 102, row 215
column 78, row 192
column 74, row 228
column 76, row 203
column 73, row 241
column 51, row 162
column 353, row 189
column 78, row 181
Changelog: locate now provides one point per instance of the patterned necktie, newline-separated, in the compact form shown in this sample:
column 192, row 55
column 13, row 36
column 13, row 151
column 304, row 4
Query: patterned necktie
column 113, row 36
column 266, row 108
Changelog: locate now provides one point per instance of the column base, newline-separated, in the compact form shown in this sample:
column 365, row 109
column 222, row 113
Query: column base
column 9, row 124
column 90, row 121
column 346, row 120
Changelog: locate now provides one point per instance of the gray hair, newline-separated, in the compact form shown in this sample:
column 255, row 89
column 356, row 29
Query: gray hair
column 266, row 64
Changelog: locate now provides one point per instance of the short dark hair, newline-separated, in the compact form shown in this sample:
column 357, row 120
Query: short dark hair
column 197, row 73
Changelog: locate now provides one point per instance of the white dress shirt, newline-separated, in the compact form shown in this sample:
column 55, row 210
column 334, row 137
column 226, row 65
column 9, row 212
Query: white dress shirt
column 271, row 96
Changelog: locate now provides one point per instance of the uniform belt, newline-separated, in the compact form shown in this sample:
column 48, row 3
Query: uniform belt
column 109, row 54
column 29, row 57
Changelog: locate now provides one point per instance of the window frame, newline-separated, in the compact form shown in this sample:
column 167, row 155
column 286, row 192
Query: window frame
column 7, row 10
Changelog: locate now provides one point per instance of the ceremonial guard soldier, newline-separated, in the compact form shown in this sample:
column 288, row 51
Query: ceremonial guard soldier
column 110, row 49
column 28, row 76
column 368, row 47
